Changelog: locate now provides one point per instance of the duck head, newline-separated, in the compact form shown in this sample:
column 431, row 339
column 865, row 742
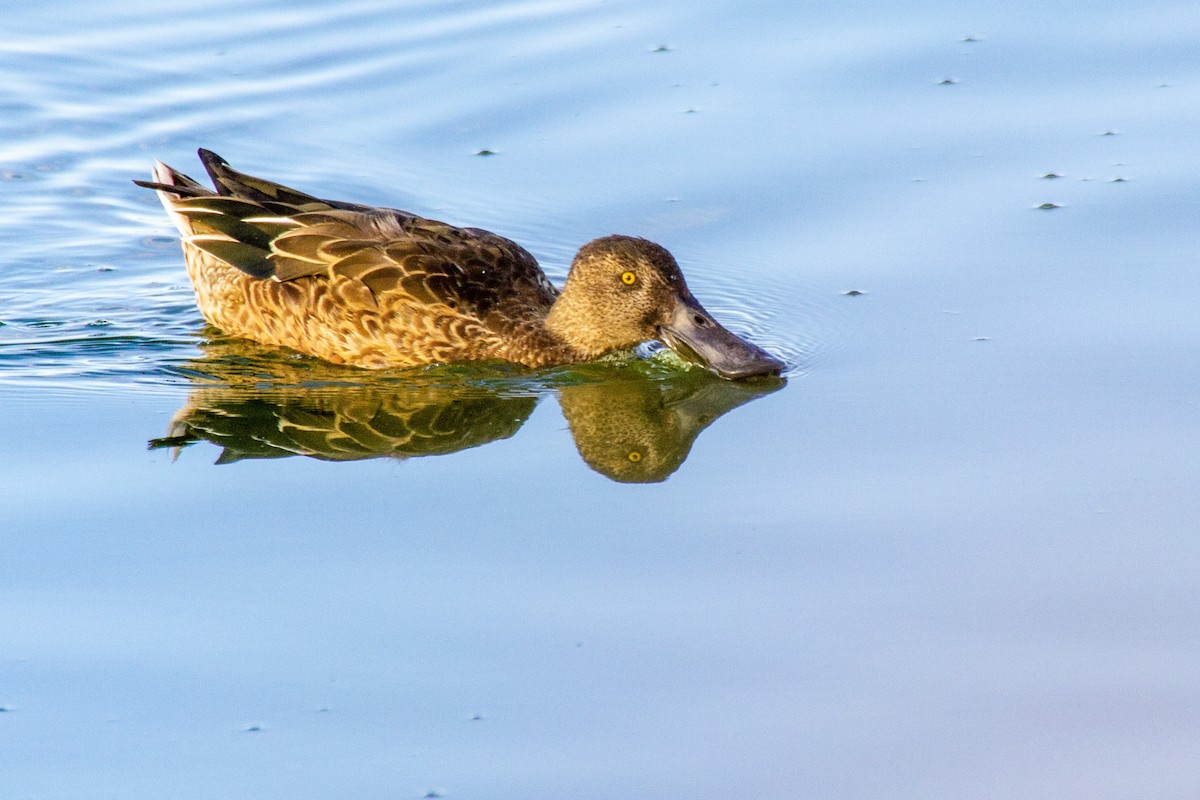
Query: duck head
column 622, row 291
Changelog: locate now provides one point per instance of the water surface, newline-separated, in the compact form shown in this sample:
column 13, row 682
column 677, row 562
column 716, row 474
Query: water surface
column 953, row 556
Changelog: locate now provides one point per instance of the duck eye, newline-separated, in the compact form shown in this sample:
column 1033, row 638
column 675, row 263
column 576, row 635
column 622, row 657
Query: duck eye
column 634, row 455
column 628, row 278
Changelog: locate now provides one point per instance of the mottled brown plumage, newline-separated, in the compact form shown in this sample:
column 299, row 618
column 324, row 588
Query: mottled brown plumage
column 377, row 287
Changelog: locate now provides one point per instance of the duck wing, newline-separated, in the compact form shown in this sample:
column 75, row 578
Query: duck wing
column 270, row 231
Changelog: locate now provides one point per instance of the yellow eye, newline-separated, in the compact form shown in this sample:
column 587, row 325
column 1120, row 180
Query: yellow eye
column 628, row 278
column 634, row 455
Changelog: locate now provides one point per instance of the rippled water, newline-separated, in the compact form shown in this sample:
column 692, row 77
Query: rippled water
column 953, row 555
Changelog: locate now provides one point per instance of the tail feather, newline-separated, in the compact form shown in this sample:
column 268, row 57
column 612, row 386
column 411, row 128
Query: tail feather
column 170, row 180
column 238, row 223
column 237, row 184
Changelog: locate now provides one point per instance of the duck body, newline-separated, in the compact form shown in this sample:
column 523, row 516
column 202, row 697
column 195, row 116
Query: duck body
column 379, row 288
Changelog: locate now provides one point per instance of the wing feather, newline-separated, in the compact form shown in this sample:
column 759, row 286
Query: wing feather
column 246, row 257
column 270, row 231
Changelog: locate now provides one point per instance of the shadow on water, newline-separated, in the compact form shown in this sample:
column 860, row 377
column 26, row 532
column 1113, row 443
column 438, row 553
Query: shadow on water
column 634, row 423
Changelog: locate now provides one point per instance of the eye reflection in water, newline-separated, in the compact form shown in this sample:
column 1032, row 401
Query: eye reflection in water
column 633, row 423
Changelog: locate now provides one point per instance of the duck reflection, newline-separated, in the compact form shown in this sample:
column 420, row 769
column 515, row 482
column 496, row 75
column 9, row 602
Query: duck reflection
column 639, row 430
column 629, row 424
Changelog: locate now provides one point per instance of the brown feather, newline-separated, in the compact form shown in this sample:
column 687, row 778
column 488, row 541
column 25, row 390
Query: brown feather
column 377, row 287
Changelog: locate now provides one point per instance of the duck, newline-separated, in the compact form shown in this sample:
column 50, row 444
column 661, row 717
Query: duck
column 380, row 288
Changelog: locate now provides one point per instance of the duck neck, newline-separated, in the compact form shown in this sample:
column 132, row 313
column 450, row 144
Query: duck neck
column 574, row 323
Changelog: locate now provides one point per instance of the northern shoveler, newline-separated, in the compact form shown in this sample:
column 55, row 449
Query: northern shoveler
column 377, row 287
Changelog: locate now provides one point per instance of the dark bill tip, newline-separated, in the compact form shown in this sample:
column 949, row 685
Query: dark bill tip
column 694, row 334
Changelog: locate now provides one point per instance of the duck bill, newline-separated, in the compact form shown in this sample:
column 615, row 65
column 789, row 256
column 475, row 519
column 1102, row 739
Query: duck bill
column 694, row 334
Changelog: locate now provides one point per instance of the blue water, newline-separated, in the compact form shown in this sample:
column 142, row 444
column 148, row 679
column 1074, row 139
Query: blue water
column 953, row 556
